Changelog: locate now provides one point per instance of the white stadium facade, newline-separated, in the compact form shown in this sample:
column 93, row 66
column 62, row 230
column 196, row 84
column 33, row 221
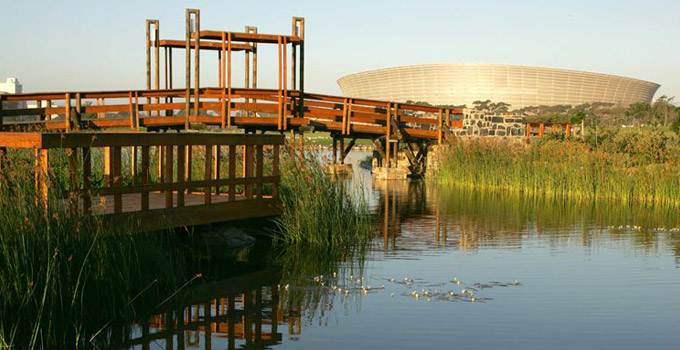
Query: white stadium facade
column 519, row 86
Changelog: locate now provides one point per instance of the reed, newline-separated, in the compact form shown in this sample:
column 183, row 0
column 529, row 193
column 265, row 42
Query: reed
column 63, row 278
column 319, row 209
column 624, row 168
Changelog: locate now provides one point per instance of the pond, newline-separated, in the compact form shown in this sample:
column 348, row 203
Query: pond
column 450, row 268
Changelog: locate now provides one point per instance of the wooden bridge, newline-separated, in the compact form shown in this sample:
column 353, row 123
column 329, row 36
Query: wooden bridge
column 74, row 121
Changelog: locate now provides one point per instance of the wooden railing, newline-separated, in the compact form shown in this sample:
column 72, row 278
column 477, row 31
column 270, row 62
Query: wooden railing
column 195, row 178
column 539, row 129
column 262, row 109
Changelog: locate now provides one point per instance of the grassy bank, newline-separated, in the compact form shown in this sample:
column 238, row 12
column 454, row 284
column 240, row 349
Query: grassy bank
column 629, row 167
column 319, row 209
column 64, row 279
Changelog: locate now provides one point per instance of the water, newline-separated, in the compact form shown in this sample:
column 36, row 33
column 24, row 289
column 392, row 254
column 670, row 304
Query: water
column 544, row 275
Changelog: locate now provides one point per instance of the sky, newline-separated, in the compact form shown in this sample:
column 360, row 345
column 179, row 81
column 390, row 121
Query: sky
column 97, row 45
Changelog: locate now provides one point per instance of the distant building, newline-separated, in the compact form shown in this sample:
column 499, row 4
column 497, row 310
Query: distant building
column 519, row 86
column 12, row 86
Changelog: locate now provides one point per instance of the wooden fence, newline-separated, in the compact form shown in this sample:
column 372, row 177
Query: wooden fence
column 194, row 179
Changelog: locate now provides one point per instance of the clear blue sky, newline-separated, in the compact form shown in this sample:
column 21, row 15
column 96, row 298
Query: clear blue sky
column 88, row 45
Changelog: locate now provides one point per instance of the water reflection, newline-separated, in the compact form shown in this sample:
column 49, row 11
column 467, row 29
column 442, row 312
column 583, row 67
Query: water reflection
column 494, row 261
column 239, row 312
column 419, row 216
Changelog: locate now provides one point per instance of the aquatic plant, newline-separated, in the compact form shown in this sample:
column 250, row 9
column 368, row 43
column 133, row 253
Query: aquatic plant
column 63, row 277
column 319, row 209
column 626, row 168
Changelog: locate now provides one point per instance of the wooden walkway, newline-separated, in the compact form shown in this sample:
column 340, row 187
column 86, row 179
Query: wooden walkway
column 195, row 178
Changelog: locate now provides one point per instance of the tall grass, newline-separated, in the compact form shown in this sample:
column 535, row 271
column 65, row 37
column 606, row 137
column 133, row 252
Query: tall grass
column 319, row 209
column 65, row 278
column 626, row 169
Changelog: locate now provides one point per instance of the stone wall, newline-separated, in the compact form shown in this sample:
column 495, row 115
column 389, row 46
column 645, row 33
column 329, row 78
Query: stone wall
column 480, row 124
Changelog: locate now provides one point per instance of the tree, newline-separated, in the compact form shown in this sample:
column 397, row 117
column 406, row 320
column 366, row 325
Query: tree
column 664, row 108
column 642, row 112
column 481, row 105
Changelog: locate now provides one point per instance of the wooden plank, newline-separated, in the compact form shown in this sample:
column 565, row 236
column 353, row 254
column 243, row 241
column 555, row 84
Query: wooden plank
column 175, row 186
column 196, row 215
column 122, row 139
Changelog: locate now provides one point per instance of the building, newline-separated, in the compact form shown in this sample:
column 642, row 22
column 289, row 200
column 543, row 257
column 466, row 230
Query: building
column 12, row 86
column 519, row 86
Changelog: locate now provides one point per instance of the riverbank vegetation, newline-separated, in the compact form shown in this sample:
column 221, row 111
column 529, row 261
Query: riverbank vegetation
column 319, row 209
column 67, row 281
column 631, row 166
column 64, row 278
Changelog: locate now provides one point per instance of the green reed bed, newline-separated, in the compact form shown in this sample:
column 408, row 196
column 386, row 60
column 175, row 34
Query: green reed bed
column 629, row 169
column 319, row 209
column 65, row 278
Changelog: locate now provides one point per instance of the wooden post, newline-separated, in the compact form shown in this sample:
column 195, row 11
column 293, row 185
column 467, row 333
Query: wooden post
column 187, row 65
column 541, row 129
column 448, row 118
column 259, row 170
column 344, row 116
column 181, row 155
column 197, row 61
column 216, row 166
column 335, row 150
column 188, row 161
column 157, row 52
column 67, row 112
column 279, row 111
column 145, row 177
column 285, row 83
column 169, row 174
column 248, row 170
column 342, row 150
column 171, row 100
column 232, row 172
column 115, row 178
column 301, row 102
column 275, row 171
column 42, row 179
column 440, row 127
column 229, row 80
column 87, row 180
column 528, row 130
column 79, row 112
column 223, row 109
column 388, row 132
column 208, row 173
column 349, row 116
column 72, row 155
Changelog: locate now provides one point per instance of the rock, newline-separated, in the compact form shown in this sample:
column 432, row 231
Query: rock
column 224, row 240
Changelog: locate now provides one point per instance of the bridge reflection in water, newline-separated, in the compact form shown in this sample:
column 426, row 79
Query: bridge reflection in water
column 241, row 312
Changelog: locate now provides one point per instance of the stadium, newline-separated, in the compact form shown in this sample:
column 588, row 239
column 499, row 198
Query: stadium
column 519, row 86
